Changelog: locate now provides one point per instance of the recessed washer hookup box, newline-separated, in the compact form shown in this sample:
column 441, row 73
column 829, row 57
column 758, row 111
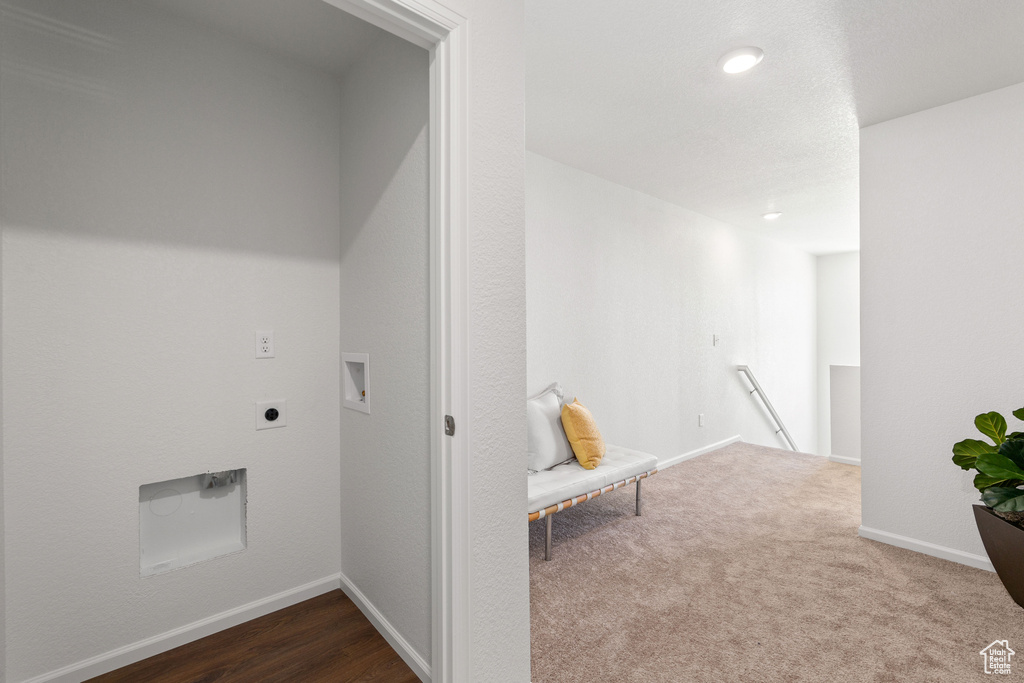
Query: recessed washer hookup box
column 189, row 520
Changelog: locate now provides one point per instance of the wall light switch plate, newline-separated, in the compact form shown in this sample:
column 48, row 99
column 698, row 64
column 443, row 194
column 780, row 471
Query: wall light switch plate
column 271, row 414
column 265, row 344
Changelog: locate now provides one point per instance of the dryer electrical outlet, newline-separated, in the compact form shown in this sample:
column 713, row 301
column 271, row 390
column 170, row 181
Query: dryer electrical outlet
column 271, row 414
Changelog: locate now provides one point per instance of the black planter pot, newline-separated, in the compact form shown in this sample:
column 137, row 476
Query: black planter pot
column 1004, row 543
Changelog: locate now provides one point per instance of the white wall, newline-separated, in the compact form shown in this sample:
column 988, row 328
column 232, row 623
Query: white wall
column 844, row 407
column 499, row 599
column 942, row 229
column 166, row 194
column 385, row 282
column 624, row 295
column 838, row 284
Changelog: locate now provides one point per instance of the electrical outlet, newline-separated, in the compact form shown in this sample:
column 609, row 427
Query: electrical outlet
column 700, row 420
column 265, row 344
column 271, row 414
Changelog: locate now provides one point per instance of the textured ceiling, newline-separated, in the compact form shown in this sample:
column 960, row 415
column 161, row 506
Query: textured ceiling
column 309, row 31
column 630, row 91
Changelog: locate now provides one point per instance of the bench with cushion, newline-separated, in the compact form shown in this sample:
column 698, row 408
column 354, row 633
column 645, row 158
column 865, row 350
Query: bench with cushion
column 555, row 478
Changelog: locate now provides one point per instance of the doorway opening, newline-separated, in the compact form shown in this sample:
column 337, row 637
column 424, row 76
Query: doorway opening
column 177, row 188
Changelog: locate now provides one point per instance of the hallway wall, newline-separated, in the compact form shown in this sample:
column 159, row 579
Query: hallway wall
column 838, row 286
column 625, row 294
column 942, row 232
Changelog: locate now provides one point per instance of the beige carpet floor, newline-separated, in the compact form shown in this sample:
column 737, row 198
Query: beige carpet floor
column 746, row 566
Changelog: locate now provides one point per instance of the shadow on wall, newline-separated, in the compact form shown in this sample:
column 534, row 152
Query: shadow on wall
column 388, row 131
column 117, row 124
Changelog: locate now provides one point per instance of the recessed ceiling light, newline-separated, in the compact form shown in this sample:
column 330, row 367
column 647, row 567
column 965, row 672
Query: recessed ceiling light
column 740, row 60
column 771, row 216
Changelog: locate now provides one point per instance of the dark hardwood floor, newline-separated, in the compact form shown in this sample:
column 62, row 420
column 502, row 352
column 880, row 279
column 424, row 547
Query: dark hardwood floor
column 326, row 639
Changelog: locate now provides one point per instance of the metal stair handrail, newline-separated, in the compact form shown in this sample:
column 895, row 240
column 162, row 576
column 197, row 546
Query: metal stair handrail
column 767, row 404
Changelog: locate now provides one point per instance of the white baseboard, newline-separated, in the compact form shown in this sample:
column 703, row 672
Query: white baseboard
column 676, row 459
column 406, row 651
column 143, row 649
column 926, row 548
column 844, row 460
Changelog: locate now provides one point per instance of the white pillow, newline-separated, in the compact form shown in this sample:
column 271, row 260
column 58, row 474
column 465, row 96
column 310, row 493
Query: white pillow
column 546, row 444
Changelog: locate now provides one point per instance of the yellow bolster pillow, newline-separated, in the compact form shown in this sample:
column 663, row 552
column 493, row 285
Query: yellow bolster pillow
column 583, row 434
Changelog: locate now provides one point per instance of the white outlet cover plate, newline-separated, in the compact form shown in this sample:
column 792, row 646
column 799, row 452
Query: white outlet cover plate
column 261, row 414
column 265, row 344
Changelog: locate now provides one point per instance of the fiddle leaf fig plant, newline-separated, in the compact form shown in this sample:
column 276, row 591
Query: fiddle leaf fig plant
column 1000, row 465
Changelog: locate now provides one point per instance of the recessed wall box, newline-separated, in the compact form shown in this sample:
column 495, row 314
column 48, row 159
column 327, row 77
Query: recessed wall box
column 355, row 371
column 185, row 521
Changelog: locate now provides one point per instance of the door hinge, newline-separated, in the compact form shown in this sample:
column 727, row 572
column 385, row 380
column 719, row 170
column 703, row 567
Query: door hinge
column 449, row 425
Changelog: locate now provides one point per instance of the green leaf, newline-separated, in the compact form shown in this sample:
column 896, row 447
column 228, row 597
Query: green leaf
column 1014, row 450
column 992, row 425
column 999, row 466
column 1004, row 499
column 965, row 462
column 1019, row 413
column 1014, row 436
column 973, row 447
column 983, row 481
column 967, row 451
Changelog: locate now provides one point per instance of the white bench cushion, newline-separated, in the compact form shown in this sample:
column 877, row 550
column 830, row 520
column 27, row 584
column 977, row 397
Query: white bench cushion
column 569, row 479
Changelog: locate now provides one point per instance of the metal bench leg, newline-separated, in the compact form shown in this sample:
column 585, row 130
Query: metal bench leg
column 547, row 541
column 637, row 497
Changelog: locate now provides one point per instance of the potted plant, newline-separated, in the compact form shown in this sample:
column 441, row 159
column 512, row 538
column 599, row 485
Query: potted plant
column 1000, row 467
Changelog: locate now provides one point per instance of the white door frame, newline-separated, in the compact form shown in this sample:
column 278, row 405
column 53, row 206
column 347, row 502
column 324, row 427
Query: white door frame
column 444, row 33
